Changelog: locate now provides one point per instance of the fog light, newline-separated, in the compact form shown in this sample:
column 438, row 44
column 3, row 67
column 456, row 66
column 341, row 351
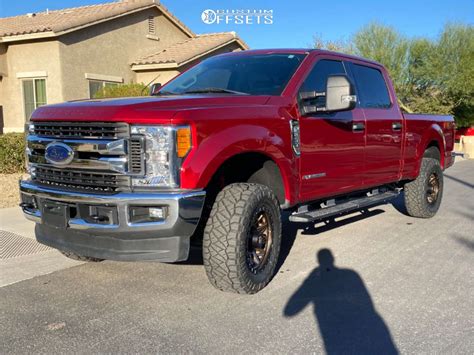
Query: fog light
column 139, row 214
column 156, row 212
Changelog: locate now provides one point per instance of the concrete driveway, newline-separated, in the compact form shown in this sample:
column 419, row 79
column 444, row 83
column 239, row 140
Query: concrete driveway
column 383, row 283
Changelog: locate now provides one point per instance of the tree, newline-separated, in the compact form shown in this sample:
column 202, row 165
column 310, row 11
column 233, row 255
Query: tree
column 387, row 46
column 340, row 45
column 435, row 76
column 454, row 62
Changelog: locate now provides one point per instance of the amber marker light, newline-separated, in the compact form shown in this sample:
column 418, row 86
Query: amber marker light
column 183, row 141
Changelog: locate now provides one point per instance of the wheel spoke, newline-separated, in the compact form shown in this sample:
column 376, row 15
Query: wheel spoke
column 259, row 242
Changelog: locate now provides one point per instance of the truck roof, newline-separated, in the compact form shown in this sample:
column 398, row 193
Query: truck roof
column 300, row 51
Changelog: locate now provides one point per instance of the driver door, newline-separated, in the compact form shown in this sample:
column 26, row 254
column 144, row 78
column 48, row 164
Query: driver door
column 332, row 144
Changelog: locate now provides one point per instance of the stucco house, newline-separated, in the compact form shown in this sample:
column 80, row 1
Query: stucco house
column 69, row 54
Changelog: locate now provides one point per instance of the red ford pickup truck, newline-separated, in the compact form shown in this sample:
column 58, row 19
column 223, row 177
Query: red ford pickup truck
column 218, row 153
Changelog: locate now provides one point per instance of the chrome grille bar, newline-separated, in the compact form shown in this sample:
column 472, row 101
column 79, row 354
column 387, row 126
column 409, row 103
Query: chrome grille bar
column 103, row 147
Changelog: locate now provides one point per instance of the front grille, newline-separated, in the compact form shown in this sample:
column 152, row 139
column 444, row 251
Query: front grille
column 81, row 180
column 69, row 130
column 135, row 155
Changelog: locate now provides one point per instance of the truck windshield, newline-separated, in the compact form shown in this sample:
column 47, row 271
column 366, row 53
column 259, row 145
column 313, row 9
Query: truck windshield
column 262, row 74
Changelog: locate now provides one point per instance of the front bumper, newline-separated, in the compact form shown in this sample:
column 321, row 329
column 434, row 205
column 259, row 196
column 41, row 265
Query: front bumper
column 118, row 238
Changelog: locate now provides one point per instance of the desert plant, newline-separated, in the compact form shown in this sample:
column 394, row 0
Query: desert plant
column 12, row 153
column 125, row 90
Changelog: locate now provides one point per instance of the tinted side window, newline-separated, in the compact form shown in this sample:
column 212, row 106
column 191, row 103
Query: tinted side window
column 372, row 91
column 317, row 78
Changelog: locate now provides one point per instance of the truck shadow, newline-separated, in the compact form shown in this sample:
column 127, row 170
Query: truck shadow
column 468, row 243
column 343, row 309
column 459, row 181
column 399, row 204
column 290, row 231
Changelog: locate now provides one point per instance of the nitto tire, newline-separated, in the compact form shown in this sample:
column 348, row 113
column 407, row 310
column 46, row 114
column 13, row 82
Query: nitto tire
column 76, row 257
column 423, row 195
column 242, row 238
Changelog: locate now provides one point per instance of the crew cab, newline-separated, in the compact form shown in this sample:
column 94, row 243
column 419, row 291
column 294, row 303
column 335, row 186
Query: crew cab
column 217, row 153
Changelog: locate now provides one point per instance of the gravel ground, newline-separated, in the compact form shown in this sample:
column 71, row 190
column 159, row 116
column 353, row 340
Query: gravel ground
column 9, row 195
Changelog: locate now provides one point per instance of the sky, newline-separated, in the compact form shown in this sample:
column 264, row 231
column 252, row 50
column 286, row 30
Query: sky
column 295, row 22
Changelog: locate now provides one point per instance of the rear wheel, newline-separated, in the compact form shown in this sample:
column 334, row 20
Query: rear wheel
column 423, row 195
column 77, row 257
column 242, row 238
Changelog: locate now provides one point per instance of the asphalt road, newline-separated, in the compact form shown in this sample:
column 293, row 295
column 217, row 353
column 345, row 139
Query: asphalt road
column 397, row 284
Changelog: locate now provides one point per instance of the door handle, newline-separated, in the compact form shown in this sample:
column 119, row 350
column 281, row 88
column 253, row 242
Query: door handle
column 396, row 126
column 358, row 127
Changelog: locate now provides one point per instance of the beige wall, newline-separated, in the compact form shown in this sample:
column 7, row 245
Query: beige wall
column 165, row 75
column 109, row 48
column 106, row 49
column 28, row 57
column 156, row 76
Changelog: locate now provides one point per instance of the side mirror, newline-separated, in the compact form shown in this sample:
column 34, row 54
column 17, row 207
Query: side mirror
column 154, row 88
column 339, row 94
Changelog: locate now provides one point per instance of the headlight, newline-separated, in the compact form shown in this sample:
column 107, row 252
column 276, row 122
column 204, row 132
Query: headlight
column 165, row 147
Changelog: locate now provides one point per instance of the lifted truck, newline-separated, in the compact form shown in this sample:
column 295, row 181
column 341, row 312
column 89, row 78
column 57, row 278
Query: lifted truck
column 219, row 151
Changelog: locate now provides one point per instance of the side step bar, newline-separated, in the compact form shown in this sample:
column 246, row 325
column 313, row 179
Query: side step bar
column 343, row 207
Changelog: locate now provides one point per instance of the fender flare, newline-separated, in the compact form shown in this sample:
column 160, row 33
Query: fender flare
column 434, row 133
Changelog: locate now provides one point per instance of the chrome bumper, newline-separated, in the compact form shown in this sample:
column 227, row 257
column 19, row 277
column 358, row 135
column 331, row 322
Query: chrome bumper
column 120, row 239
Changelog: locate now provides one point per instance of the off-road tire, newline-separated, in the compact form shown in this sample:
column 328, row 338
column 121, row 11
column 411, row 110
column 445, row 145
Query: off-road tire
column 226, row 236
column 416, row 201
column 77, row 257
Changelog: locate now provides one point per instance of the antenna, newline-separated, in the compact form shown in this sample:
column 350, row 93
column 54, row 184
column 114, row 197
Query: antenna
column 147, row 85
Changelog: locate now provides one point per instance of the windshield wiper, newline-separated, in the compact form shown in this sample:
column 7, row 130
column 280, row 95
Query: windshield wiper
column 214, row 90
column 159, row 93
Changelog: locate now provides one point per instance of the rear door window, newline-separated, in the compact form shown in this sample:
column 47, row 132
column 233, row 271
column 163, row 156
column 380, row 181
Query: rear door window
column 372, row 89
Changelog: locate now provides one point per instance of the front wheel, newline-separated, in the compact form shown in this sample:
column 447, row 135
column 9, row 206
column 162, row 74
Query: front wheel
column 423, row 195
column 242, row 238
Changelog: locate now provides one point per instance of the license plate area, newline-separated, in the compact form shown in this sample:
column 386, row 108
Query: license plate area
column 55, row 214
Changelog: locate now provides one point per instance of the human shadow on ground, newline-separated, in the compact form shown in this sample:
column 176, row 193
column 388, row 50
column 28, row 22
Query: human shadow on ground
column 343, row 308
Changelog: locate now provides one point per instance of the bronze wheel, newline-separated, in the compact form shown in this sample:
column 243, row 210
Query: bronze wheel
column 242, row 238
column 259, row 241
column 432, row 190
column 424, row 194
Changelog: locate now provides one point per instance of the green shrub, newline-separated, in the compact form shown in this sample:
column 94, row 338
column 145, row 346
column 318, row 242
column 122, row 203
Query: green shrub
column 12, row 153
column 124, row 90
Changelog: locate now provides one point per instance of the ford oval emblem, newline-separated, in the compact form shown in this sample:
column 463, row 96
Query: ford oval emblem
column 59, row 153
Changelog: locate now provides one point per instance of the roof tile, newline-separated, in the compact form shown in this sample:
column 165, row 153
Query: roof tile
column 58, row 21
column 184, row 51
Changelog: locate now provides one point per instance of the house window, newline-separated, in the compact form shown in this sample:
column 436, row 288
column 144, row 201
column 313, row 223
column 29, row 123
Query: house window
column 151, row 25
column 97, row 85
column 34, row 95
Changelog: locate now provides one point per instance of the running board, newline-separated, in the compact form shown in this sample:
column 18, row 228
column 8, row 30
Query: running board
column 343, row 207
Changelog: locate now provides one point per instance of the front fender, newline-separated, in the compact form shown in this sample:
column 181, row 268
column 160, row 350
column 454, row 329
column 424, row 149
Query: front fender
column 219, row 146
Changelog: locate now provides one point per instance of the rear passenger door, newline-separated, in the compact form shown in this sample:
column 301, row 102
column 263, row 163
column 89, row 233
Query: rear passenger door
column 384, row 125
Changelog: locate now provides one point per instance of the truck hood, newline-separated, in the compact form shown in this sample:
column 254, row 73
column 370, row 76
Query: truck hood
column 160, row 109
